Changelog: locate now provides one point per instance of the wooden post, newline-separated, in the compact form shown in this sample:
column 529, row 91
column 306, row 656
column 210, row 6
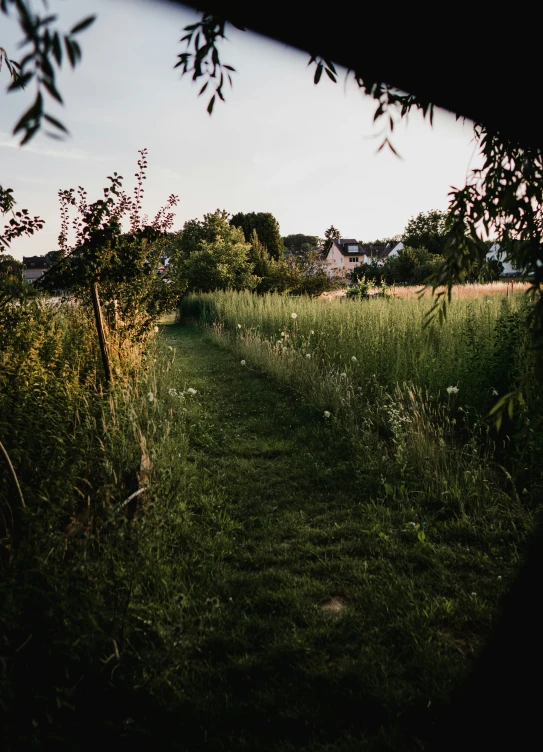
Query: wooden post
column 99, row 321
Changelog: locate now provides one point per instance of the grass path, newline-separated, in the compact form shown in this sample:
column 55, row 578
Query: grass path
column 325, row 622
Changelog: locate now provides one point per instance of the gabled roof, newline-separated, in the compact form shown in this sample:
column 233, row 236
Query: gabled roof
column 36, row 262
column 342, row 244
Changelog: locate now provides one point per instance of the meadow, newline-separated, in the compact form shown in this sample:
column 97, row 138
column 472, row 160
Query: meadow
column 287, row 524
column 409, row 395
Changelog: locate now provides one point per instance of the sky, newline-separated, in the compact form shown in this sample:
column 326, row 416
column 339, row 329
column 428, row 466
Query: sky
column 280, row 144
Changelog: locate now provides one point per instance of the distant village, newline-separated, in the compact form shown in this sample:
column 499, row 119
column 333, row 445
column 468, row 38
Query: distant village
column 343, row 256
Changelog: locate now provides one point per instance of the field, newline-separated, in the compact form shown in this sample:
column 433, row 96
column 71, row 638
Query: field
column 325, row 526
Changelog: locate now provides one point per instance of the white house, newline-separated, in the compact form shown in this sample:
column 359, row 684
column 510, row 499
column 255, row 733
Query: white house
column 34, row 267
column 395, row 251
column 346, row 254
column 497, row 254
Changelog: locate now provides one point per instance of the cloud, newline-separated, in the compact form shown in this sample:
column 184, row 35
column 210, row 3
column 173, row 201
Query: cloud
column 8, row 142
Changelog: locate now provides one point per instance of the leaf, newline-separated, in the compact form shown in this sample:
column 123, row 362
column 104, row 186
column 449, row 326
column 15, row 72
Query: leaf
column 56, row 123
column 204, row 87
column 210, row 105
column 57, row 49
column 49, row 85
column 330, row 75
column 83, row 24
column 318, row 73
column 421, row 535
column 29, row 134
column 70, row 52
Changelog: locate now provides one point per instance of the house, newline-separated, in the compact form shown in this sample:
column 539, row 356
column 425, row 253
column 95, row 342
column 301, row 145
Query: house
column 34, row 267
column 496, row 253
column 346, row 254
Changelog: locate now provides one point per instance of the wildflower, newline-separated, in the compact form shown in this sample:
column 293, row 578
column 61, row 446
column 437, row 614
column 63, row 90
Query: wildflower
column 172, row 392
column 308, row 356
column 413, row 524
column 327, row 414
column 452, row 390
column 279, row 341
column 150, row 396
column 239, row 326
column 243, row 363
column 190, row 390
column 342, row 375
column 354, row 358
column 312, row 331
column 156, row 329
column 293, row 315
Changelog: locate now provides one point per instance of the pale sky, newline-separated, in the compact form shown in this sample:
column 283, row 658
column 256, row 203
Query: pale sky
column 280, row 144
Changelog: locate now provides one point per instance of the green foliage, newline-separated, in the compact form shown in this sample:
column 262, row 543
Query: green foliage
column 359, row 290
column 331, row 234
column 201, row 56
column 213, row 227
column 412, row 266
column 124, row 264
column 300, row 243
column 41, row 63
column 12, row 284
column 426, row 230
column 20, row 222
column 266, row 227
column 299, row 274
column 219, row 265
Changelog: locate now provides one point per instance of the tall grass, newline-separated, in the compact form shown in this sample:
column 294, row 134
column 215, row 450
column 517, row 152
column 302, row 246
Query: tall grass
column 415, row 400
column 82, row 588
column 483, row 347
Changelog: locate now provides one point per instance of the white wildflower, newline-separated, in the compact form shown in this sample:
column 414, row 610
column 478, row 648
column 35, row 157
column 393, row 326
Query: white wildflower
column 312, row 331
column 190, row 390
column 308, row 356
column 239, row 326
column 343, row 375
column 327, row 414
column 452, row 390
column 172, row 392
column 354, row 358
column 243, row 363
column 413, row 524
column 150, row 396
column 293, row 315
column 279, row 341
column 156, row 329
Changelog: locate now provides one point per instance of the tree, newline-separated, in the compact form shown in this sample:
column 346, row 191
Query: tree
column 212, row 254
column 301, row 243
column 20, row 221
column 116, row 271
column 412, row 266
column 426, row 230
column 213, row 226
column 222, row 264
column 12, row 284
column 267, row 228
column 330, row 235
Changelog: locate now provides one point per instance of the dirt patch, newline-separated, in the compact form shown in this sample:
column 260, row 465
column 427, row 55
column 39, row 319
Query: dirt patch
column 334, row 606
